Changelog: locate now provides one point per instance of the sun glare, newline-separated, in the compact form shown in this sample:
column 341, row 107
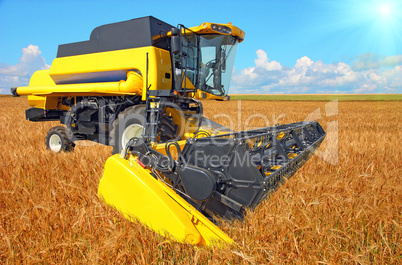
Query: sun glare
column 385, row 10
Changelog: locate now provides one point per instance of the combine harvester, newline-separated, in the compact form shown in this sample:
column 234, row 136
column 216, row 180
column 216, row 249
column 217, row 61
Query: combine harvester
column 136, row 85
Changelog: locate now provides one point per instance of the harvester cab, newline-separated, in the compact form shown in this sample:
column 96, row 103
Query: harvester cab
column 137, row 85
column 205, row 55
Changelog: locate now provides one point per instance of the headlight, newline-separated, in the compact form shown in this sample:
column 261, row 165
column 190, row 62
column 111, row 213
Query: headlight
column 222, row 29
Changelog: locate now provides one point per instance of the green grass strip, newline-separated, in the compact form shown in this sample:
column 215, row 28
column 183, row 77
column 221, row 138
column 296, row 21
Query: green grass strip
column 352, row 97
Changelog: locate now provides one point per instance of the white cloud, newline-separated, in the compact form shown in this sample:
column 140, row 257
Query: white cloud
column 249, row 72
column 391, row 60
column 368, row 61
column 245, row 80
column 308, row 76
column 263, row 62
column 366, row 88
column 394, row 78
column 19, row 74
column 304, row 62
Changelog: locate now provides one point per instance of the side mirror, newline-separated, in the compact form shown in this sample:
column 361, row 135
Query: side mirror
column 175, row 44
column 175, row 41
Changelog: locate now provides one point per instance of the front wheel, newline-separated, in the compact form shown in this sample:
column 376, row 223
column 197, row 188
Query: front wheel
column 57, row 140
column 129, row 124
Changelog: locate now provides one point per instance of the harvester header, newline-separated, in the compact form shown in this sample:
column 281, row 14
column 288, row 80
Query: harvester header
column 137, row 85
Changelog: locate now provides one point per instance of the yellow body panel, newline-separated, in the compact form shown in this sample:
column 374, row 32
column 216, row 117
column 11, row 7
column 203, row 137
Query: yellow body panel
column 127, row 59
column 139, row 196
column 37, row 101
column 133, row 61
column 131, row 86
column 41, row 78
column 206, row 28
column 205, row 95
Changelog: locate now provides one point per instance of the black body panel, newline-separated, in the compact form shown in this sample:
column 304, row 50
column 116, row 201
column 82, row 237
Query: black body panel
column 140, row 32
column 36, row 114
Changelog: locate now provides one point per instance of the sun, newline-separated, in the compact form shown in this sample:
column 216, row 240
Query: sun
column 385, row 10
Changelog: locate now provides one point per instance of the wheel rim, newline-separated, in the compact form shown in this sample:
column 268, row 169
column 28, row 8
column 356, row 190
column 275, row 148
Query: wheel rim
column 55, row 143
column 131, row 131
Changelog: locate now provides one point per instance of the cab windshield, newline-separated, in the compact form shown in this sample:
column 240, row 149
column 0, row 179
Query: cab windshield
column 207, row 62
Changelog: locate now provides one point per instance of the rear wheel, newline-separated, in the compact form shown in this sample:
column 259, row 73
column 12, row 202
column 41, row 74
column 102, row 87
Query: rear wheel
column 57, row 140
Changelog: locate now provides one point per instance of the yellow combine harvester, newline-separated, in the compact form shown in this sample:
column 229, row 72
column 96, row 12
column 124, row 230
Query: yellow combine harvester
column 136, row 85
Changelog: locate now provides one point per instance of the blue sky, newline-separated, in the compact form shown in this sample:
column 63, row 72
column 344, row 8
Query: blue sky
column 291, row 47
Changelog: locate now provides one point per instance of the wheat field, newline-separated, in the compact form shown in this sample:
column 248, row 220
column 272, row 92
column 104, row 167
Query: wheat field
column 343, row 207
